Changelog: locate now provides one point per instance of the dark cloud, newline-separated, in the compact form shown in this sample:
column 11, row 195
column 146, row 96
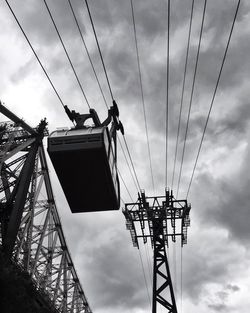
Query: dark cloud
column 220, row 302
column 109, row 269
column 107, row 264
column 229, row 202
column 217, row 307
column 233, row 288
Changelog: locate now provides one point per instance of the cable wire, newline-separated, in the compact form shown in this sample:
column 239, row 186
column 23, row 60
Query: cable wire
column 99, row 49
column 136, row 187
column 111, row 93
column 87, row 51
column 120, row 175
column 145, row 279
column 149, row 265
column 66, row 52
column 132, row 163
column 35, row 54
column 142, row 93
column 213, row 97
column 123, row 201
column 182, row 93
column 191, row 96
column 167, row 95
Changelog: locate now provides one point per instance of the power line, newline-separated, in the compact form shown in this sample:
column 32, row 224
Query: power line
column 142, row 93
column 129, row 167
column 120, row 175
column 35, row 54
column 182, row 93
column 111, row 93
column 66, row 52
column 123, row 201
column 99, row 49
column 87, row 51
column 167, row 96
column 214, row 94
column 132, row 163
column 145, row 279
column 149, row 262
column 191, row 96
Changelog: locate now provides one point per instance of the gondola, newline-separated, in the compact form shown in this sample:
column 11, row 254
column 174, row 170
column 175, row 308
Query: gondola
column 85, row 161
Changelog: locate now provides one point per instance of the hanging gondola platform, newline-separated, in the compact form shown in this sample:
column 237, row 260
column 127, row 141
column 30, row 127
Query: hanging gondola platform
column 84, row 159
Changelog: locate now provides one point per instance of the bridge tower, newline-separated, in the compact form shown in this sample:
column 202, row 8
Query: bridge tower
column 31, row 234
column 159, row 219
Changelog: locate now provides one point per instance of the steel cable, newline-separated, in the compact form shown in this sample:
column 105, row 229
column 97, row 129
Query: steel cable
column 129, row 167
column 145, row 279
column 109, row 85
column 120, row 175
column 87, row 51
column 132, row 163
column 142, row 93
column 213, row 97
column 167, row 95
column 191, row 96
column 99, row 49
column 66, row 52
column 35, row 54
column 182, row 93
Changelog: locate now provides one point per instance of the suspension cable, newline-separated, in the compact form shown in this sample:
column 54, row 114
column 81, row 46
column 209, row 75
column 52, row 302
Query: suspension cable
column 120, row 175
column 145, row 279
column 191, row 96
column 167, row 95
column 35, row 54
column 66, row 52
column 110, row 89
column 182, row 93
column 142, row 93
column 129, row 167
column 87, row 51
column 132, row 163
column 99, row 49
column 214, row 94
column 122, row 201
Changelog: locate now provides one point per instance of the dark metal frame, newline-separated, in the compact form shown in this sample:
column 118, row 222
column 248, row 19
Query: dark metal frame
column 31, row 232
column 157, row 218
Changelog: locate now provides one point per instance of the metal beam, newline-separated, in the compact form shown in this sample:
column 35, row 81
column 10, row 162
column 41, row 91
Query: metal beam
column 18, row 203
column 16, row 119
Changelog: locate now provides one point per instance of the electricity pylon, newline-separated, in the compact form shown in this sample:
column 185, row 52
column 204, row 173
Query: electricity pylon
column 31, row 232
column 158, row 218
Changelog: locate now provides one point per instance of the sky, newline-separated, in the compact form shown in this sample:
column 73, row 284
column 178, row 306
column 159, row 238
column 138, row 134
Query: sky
column 215, row 262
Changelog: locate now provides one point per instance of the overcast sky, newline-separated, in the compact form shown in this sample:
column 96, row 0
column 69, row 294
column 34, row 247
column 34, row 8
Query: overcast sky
column 216, row 261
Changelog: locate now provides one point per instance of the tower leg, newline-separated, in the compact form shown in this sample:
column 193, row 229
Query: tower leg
column 163, row 293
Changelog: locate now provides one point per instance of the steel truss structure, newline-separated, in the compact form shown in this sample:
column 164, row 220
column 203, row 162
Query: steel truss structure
column 31, row 232
column 158, row 219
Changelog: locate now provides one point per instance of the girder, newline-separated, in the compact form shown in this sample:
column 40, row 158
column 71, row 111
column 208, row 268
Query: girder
column 31, row 231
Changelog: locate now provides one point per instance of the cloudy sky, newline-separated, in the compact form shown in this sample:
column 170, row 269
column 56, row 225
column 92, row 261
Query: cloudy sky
column 216, row 261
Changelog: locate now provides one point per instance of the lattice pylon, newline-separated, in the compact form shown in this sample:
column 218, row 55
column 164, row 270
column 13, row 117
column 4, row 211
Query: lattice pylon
column 158, row 219
column 37, row 243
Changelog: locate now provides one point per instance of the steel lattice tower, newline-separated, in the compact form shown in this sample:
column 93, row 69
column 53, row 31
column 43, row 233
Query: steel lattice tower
column 159, row 219
column 31, row 233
